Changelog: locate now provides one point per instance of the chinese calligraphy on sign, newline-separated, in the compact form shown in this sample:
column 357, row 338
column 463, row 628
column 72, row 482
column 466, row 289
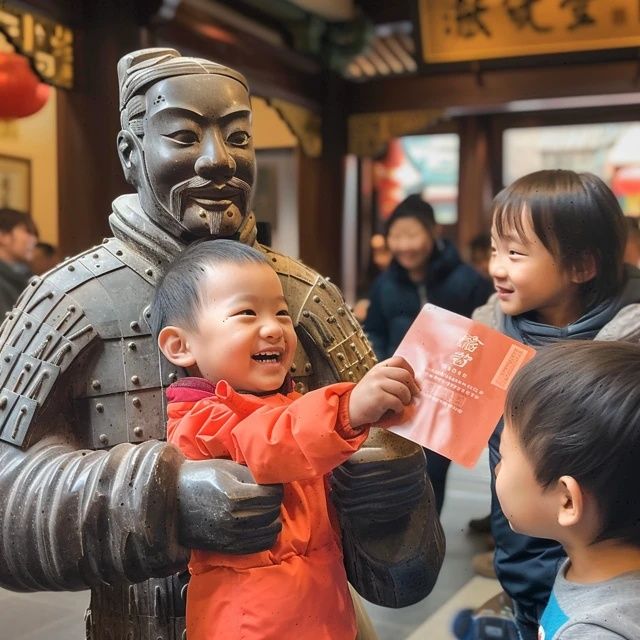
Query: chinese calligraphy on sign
column 457, row 30
column 48, row 44
column 468, row 344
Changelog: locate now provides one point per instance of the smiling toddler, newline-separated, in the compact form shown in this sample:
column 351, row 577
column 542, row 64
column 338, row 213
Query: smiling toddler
column 220, row 314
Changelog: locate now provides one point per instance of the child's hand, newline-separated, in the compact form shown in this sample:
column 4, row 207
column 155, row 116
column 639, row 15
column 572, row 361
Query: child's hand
column 389, row 386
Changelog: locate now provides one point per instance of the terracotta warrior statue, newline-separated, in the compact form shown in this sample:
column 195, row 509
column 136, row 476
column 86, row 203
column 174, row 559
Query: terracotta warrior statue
column 91, row 495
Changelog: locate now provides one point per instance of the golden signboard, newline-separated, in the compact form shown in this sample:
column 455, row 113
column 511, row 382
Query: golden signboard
column 48, row 44
column 460, row 30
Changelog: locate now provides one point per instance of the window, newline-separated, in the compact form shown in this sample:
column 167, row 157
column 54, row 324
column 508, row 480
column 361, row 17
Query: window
column 610, row 150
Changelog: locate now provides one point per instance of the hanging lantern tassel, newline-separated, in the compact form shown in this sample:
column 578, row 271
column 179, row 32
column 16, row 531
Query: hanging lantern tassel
column 21, row 92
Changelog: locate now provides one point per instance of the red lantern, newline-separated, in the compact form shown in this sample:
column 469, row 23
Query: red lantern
column 21, row 92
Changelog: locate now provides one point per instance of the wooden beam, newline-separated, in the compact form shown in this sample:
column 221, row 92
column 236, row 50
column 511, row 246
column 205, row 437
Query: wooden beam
column 493, row 87
column 320, row 189
column 476, row 179
column 89, row 171
column 273, row 72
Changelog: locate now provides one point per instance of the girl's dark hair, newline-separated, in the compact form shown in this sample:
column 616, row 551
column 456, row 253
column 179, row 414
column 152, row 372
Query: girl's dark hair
column 575, row 409
column 576, row 217
column 178, row 296
column 415, row 207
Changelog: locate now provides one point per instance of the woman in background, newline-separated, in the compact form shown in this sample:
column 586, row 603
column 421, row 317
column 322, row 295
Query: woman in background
column 423, row 269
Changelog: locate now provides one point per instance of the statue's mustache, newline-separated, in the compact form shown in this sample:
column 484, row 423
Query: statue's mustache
column 198, row 183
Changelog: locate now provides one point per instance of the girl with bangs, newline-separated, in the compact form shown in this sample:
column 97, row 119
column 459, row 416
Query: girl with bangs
column 558, row 240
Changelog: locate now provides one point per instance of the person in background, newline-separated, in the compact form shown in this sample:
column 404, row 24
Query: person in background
column 18, row 237
column 45, row 257
column 558, row 240
column 423, row 269
column 632, row 248
column 480, row 253
column 570, row 453
column 379, row 260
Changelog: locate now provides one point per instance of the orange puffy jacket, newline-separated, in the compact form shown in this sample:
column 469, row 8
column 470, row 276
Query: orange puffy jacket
column 297, row 589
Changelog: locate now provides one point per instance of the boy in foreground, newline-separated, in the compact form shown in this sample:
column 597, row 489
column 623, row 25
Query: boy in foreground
column 569, row 472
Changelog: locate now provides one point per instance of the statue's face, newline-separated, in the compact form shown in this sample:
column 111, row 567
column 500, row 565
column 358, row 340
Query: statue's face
column 198, row 152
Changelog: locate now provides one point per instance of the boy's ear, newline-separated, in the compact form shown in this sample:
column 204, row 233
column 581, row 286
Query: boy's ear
column 571, row 505
column 173, row 343
column 586, row 271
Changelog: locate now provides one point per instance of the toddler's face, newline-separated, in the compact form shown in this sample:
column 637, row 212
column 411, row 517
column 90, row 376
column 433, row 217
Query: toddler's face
column 527, row 277
column 245, row 334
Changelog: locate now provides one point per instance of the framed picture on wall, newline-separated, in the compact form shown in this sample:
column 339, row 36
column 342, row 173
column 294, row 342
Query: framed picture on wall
column 15, row 183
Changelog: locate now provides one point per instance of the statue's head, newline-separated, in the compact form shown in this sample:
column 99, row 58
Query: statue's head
column 185, row 143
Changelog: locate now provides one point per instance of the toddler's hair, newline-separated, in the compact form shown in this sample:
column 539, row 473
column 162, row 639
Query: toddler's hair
column 575, row 409
column 577, row 218
column 178, row 296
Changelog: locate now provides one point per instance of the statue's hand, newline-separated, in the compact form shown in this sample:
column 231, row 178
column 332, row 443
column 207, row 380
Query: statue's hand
column 221, row 508
column 383, row 481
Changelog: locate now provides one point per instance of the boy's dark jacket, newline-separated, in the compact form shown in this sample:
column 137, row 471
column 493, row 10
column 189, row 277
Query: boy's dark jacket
column 395, row 301
column 526, row 566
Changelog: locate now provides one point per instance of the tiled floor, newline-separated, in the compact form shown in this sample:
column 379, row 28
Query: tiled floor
column 59, row 616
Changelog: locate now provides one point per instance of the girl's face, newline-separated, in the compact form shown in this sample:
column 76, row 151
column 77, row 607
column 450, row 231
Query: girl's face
column 528, row 278
column 410, row 243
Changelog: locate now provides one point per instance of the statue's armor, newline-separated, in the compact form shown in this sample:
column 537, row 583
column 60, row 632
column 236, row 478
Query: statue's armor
column 87, row 485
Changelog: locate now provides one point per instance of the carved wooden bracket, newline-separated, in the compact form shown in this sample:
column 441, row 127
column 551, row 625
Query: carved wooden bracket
column 369, row 133
column 305, row 125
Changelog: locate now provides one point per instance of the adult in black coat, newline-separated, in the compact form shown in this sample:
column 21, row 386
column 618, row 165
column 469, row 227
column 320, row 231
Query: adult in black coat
column 423, row 269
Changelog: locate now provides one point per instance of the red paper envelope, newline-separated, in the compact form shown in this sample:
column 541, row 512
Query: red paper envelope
column 464, row 369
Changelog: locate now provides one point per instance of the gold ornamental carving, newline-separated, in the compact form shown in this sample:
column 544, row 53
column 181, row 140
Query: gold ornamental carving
column 369, row 133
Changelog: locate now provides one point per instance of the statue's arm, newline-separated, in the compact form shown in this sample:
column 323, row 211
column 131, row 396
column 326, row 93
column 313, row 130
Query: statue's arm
column 73, row 518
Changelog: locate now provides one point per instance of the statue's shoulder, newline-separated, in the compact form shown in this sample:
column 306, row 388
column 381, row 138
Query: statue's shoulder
column 334, row 344
column 60, row 317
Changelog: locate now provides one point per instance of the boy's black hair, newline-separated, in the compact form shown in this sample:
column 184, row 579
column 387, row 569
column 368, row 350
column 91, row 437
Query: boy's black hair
column 577, row 217
column 178, row 296
column 413, row 206
column 575, row 409
column 10, row 219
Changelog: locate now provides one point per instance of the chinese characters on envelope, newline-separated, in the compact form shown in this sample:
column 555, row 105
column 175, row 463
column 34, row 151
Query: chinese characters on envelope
column 464, row 369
